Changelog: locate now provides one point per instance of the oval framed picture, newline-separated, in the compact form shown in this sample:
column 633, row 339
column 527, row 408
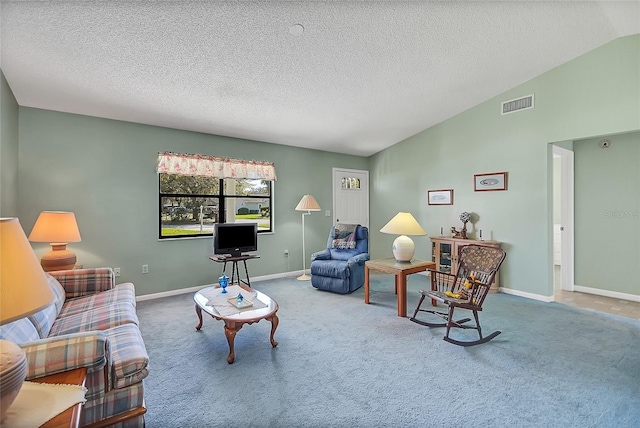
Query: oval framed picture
column 489, row 182
column 440, row 197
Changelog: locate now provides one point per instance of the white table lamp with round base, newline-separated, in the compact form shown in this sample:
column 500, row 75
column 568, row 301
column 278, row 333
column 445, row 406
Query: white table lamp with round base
column 307, row 204
column 403, row 224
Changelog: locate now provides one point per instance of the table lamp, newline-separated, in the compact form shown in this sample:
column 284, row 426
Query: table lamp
column 58, row 228
column 403, row 224
column 24, row 290
column 308, row 203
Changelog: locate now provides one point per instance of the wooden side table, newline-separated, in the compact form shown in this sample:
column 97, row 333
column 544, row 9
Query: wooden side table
column 400, row 270
column 70, row 418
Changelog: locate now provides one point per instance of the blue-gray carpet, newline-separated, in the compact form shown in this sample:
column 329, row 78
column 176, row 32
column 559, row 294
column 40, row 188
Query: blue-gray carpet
column 341, row 363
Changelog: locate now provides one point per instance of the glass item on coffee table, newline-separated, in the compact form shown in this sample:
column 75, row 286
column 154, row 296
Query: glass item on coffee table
column 223, row 281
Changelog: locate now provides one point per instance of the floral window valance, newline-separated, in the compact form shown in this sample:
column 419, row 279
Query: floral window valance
column 213, row 166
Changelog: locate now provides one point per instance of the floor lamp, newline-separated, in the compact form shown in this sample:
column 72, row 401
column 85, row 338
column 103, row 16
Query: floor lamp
column 307, row 204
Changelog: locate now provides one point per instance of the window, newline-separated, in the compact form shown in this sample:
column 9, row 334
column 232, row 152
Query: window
column 190, row 205
column 197, row 191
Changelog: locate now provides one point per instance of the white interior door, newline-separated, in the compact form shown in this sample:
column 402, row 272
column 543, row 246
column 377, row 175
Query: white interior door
column 351, row 196
column 566, row 226
column 557, row 244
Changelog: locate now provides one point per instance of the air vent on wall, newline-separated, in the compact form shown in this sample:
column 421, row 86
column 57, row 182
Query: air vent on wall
column 512, row 106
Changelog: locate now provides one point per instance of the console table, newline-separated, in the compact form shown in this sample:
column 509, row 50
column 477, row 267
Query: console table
column 235, row 272
column 400, row 270
column 445, row 255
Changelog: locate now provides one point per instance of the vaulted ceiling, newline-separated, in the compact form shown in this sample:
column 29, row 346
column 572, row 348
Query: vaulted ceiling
column 350, row 77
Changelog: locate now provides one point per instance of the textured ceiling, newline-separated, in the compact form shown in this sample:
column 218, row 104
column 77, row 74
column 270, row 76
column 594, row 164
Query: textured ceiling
column 362, row 76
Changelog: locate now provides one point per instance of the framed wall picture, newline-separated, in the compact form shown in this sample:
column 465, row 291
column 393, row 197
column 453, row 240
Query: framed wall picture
column 440, row 197
column 490, row 181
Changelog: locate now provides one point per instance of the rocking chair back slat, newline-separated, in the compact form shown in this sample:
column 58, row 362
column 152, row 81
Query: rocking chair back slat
column 478, row 294
column 444, row 281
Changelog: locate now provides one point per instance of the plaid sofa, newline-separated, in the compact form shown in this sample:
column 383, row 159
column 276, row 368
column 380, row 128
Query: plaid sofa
column 92, row 323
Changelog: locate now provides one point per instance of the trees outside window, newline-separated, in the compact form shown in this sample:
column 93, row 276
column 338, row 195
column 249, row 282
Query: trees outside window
column 190, row 206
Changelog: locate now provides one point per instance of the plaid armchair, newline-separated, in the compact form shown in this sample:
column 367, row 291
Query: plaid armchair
column 92, row 323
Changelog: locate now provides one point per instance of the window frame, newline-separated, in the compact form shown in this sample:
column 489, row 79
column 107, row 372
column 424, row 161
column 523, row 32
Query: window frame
column 222, row 198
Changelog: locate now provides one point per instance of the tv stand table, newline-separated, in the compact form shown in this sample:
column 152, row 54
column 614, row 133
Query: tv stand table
column 235, row 271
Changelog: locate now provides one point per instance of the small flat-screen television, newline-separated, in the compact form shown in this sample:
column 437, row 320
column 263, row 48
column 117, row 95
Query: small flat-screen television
column 235, row 238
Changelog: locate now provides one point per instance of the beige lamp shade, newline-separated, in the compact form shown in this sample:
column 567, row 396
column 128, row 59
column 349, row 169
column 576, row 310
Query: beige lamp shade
column 55, row 226
column 24, row 290
column 58, row 228
column 308, row 203
column 403, row 224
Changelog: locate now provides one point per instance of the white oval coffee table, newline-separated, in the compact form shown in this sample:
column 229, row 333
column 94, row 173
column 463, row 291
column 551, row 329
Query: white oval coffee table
column 234, row 322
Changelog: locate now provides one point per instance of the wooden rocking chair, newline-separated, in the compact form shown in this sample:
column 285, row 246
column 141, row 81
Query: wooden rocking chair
column 467, row 289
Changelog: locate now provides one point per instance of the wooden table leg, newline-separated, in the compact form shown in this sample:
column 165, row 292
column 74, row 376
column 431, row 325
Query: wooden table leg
column 366, row 284
column 434, row 302
column 230, row 331
column 274, row 325
column 402, row 294
column 199, row 313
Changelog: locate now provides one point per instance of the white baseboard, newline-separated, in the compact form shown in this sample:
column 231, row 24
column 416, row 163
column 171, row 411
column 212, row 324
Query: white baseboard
column 547, row 299
column 597, row 291
column 200, row 287
column 519, row 293
column 607, row 293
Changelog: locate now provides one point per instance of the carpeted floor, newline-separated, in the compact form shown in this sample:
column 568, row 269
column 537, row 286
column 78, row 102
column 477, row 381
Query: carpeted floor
column 341, row 363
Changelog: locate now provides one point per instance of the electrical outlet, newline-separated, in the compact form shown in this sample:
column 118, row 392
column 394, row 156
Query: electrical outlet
column 145, row 268
column 116, row 271
column 327, row 213
column 286, row 253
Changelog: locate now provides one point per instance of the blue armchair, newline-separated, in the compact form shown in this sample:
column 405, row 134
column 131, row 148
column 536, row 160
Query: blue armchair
column 341, row 270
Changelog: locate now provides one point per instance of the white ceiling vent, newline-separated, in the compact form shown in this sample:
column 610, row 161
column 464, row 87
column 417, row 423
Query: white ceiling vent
column 518, row 104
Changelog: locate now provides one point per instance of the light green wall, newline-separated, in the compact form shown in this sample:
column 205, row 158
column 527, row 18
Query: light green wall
column 104, row 171
column 8, row 150
column 607, row 219
column 595, row 94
